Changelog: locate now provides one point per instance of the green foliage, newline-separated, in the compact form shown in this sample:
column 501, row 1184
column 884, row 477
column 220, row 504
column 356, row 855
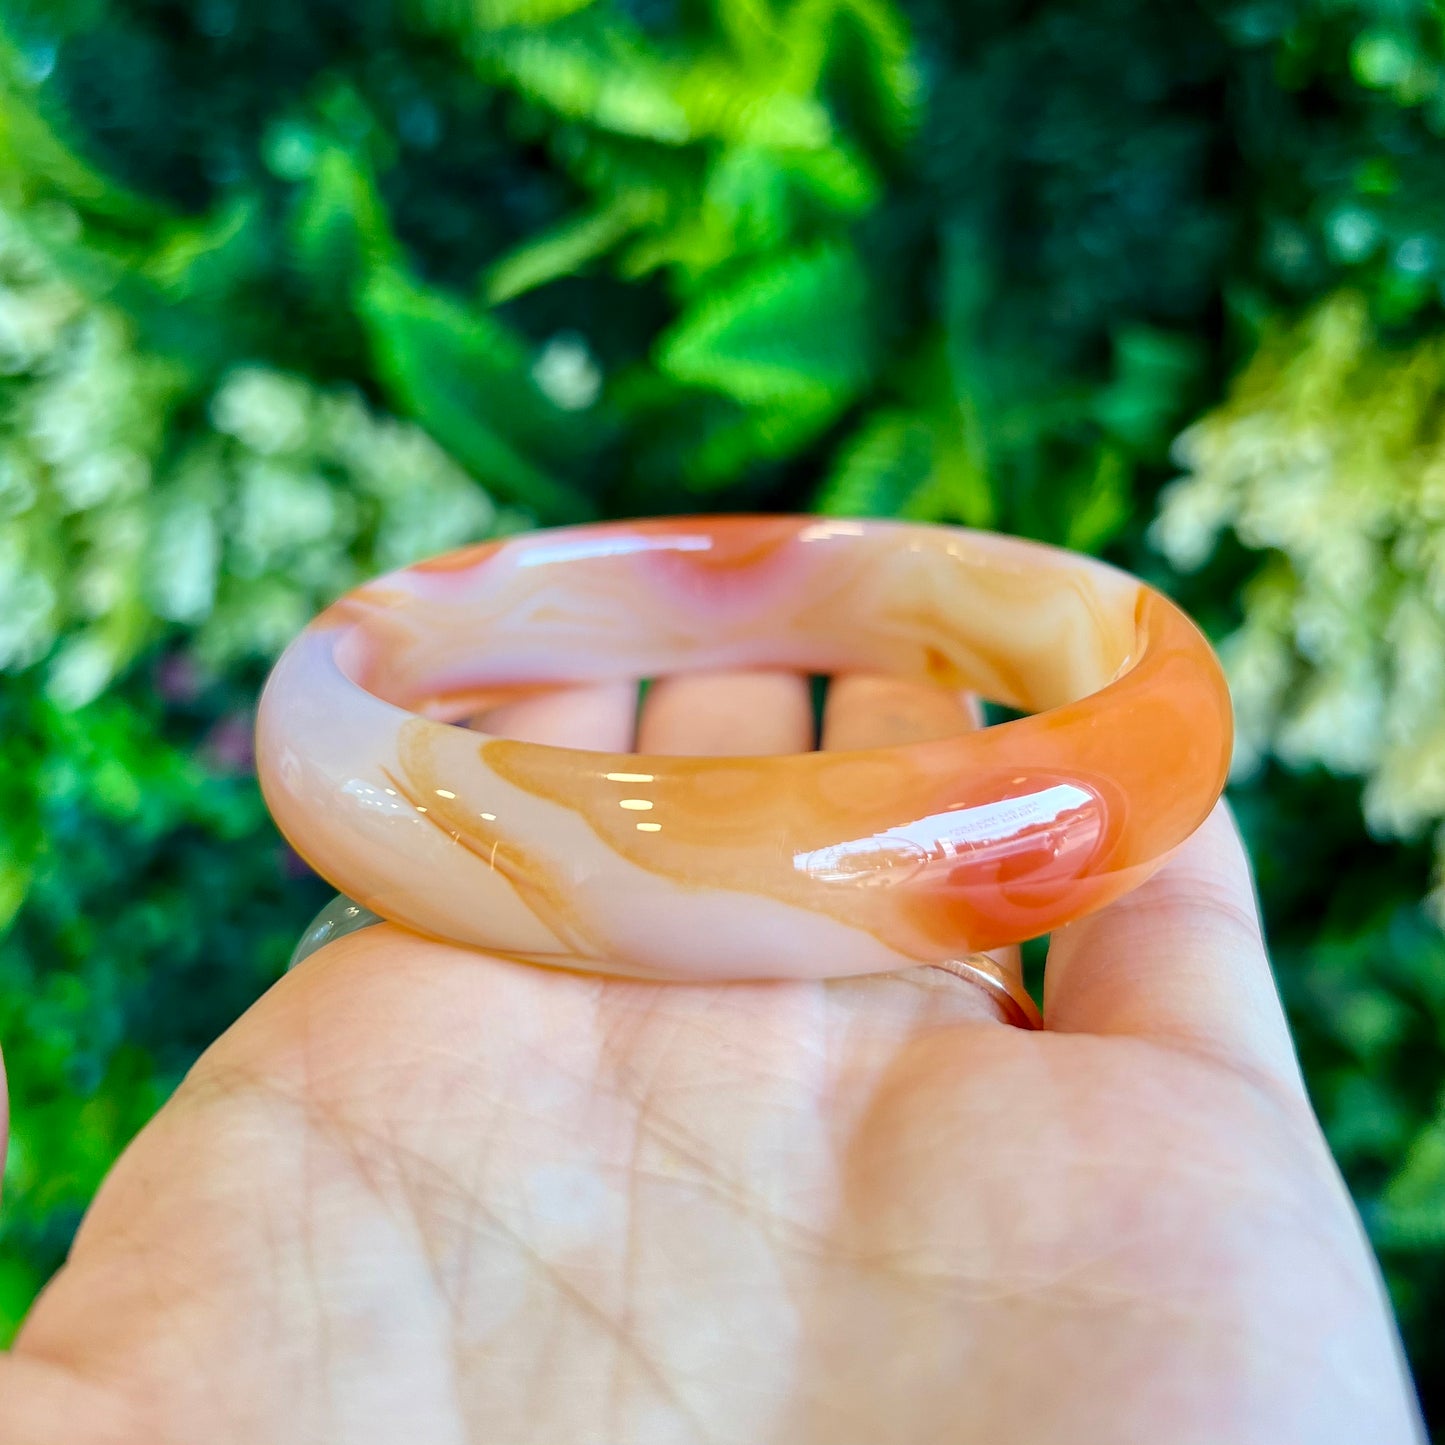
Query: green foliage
column 292, row 293
column 1330, row 455
column 154, row 895
column 138, row 499
column 465, row 378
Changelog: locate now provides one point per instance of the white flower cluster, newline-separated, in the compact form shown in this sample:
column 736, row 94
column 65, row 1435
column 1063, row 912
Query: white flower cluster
column 126, row 509
column 1330, row 456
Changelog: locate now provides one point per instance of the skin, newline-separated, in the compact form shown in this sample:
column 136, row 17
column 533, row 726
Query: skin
column 417, row 1194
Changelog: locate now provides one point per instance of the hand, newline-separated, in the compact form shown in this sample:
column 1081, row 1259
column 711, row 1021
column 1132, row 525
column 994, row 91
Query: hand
column 419, row 1195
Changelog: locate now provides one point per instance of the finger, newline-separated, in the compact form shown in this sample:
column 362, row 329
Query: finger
column 1181, row 960
column 728, row 714
column 864, row 711
column 601, row 717
column 867, row 711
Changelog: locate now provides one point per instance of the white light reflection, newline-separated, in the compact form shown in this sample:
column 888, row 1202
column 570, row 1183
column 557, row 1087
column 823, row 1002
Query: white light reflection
column 895, row 855
column 383, row 800
column 623, row 545
column 821, row 531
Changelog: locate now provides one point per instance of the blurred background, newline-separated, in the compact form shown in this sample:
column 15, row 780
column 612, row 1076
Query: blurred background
column 292, row 291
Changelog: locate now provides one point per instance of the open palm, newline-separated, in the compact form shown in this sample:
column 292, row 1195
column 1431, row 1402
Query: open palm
column 420, row 1195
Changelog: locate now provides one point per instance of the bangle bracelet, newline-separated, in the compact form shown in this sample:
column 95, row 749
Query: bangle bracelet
column 1000, row 981
column 340, row 917
column 809, row 865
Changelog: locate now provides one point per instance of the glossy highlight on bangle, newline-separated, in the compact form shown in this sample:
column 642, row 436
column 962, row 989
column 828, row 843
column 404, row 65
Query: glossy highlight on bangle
column 818, row 864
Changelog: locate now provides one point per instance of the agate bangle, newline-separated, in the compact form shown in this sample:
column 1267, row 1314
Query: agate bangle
column 808, row 865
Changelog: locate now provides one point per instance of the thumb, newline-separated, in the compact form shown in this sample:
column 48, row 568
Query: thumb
column 1181, row 961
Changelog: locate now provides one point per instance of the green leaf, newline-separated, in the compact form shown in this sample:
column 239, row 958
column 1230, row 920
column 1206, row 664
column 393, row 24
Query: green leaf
column 464, row 377
column 341, row 227
column 597, row 74
column 464, row 18
column 1412, row 1207
column 20, row 1282
column 1106, row 505
column 596, row 69
column 570, row 246
column 791, row 332
column 14, row 884
column 726, row 450
column 961, row 488
column 177, row 289
column 897, row 85
column 838, row 176
column 880, row 471
column 865, row 43
column 1154, row 374
column 33, row 153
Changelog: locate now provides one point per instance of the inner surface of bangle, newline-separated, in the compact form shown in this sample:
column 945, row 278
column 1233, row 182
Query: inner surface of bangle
column 1022, row 625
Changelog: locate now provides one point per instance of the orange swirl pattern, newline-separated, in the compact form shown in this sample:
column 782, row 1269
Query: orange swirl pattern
column 820, row 864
